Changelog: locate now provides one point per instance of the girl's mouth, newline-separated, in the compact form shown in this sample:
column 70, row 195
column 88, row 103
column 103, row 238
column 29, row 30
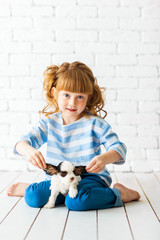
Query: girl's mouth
column 71, row 110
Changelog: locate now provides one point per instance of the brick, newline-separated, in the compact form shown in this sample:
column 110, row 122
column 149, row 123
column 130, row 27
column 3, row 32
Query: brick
column 15, row 22
column 25, row 105
column 10, row 70
column 149, row 106
column 59, row 58
column 5, row 11
column 104, row 71
column 151, row 60
column 151, row 36
column 138, row 48
column 4, row 129
column 7, row 34
column 54, row 23
column 145, row 24
column 122, row 106
column 76, row 35
column 140, row 3
column 28, row 82
column 32, row 11
column 149, row 82
column 124, row 12
column 97, row 23
column 19, row 129
column 13, row 117
column 121, row 83
column 95, row 47
column 4, row 80
column 151, row 130
column 152, row 10
column 138, row 94
column 136, row 71
column 136, row 154
column 2, row 152
column 53, row 47
column 137, row 119
column 153, row 154
column 14, row 93
column 54, row 2
column 141, row 142
column 119, row 36
column 4, row 58
column 126, row 130
column 76, row 11
column 37, row 35
column 11, row 47
column 29, row 59
column 104, row 59
column 3, row 105
column 99, row 2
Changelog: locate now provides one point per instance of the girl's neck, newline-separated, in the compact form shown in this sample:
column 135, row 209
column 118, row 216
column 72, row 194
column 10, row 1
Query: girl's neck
column 68, row 121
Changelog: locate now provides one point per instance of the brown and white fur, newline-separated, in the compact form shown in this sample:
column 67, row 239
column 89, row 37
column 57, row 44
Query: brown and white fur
column 65, row 179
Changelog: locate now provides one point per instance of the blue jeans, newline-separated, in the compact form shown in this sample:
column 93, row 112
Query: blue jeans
column 93, row 193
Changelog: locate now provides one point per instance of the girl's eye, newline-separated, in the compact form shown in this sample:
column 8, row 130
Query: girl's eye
column 80, row 97
column 66, row 95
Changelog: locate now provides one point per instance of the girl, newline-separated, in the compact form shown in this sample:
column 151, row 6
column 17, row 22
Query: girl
column 74, row 130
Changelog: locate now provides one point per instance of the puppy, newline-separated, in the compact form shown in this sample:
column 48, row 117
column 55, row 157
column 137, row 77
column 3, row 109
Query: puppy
column 65, row 179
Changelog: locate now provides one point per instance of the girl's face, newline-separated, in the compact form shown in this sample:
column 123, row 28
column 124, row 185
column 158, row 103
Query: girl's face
column 71, row 104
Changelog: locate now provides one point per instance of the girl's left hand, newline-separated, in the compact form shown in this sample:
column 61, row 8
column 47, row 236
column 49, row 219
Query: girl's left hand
column 96, row 165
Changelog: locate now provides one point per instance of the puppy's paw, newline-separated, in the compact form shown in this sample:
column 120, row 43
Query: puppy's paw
column 49, row 205
column 73, row 193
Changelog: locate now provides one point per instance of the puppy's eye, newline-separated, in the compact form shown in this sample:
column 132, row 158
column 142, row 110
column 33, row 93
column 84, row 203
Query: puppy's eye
column 75, row 172
column 63, row 174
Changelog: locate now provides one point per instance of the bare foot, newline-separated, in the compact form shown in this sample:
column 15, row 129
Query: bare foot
column 17, row 189
column 127, row 194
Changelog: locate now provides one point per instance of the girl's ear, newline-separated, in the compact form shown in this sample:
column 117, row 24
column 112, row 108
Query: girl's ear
column 80, row 170
column 54, row 92
column 50, row 169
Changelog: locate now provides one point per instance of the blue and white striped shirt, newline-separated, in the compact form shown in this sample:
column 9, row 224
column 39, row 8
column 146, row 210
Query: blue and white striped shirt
column 78, row 142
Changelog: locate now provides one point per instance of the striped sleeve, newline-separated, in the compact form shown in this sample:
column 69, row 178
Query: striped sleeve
column 37, row 136
column 110, row 141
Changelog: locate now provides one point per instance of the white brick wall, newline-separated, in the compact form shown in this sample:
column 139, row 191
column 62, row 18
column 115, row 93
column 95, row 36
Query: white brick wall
column 118, row 39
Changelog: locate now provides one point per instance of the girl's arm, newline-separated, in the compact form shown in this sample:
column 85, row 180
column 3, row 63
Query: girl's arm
column 31, row 154
column 98, row 163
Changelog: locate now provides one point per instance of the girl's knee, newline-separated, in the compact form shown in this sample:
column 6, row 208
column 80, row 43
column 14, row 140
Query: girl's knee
column 35, row 196
column 80, row 203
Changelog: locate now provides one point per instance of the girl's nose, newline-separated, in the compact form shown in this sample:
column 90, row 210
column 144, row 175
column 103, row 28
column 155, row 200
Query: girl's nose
column 73, row 101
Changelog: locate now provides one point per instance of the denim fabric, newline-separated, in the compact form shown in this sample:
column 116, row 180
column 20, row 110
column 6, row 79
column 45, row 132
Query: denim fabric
column 93, row 193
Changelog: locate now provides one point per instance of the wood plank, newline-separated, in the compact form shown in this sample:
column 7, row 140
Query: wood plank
column 49, row 224
column 157, row 175
column 151, row 187
column 81, row 225
column 143, row 221
column 20, row 216
column 113, row 224
column 6, row 178
column 111, row 219
column 18, row 222
column 8, row 203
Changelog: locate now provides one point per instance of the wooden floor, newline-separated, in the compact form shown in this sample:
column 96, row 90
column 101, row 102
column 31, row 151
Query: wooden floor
column 136, row 220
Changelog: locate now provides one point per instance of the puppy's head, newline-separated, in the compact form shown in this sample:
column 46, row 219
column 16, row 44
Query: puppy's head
column 66, row 171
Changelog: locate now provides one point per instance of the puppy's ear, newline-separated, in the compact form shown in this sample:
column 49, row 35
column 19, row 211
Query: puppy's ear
column 80, row 170
column 50, row 169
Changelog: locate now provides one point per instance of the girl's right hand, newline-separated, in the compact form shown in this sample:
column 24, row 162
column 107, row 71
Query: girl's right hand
column 36, row 158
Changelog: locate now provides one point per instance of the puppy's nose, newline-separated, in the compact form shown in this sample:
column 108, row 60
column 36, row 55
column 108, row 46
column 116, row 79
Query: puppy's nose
column 72, row 178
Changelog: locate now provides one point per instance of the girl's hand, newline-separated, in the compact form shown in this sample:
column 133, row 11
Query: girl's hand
column 36, row 158
column 96, row 165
